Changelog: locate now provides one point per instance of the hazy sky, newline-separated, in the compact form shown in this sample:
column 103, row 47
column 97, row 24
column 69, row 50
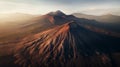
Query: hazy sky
column 95, row 7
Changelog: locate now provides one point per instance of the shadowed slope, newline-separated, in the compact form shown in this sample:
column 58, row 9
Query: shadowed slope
column 68, row 45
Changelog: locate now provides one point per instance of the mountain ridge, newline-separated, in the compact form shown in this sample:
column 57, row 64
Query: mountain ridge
column 65, row 46
column 109, row 18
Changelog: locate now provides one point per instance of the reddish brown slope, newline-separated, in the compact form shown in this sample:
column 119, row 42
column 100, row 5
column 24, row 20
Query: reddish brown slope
column 68, row 45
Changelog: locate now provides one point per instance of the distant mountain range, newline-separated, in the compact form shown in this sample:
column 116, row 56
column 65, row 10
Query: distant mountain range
column 109, row 18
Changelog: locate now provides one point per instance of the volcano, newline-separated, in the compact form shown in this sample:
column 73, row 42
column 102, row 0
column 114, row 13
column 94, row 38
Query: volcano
column 49, row 20
column 68, row 45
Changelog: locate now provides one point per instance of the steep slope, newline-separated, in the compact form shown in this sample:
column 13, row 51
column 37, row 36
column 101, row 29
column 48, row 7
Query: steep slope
column 67, row 45
column 30, row 27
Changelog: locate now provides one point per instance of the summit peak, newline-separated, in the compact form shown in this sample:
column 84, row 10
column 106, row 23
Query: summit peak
column 57, row 13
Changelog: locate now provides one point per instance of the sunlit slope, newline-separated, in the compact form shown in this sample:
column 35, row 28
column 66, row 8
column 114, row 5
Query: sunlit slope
column 68, row 45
